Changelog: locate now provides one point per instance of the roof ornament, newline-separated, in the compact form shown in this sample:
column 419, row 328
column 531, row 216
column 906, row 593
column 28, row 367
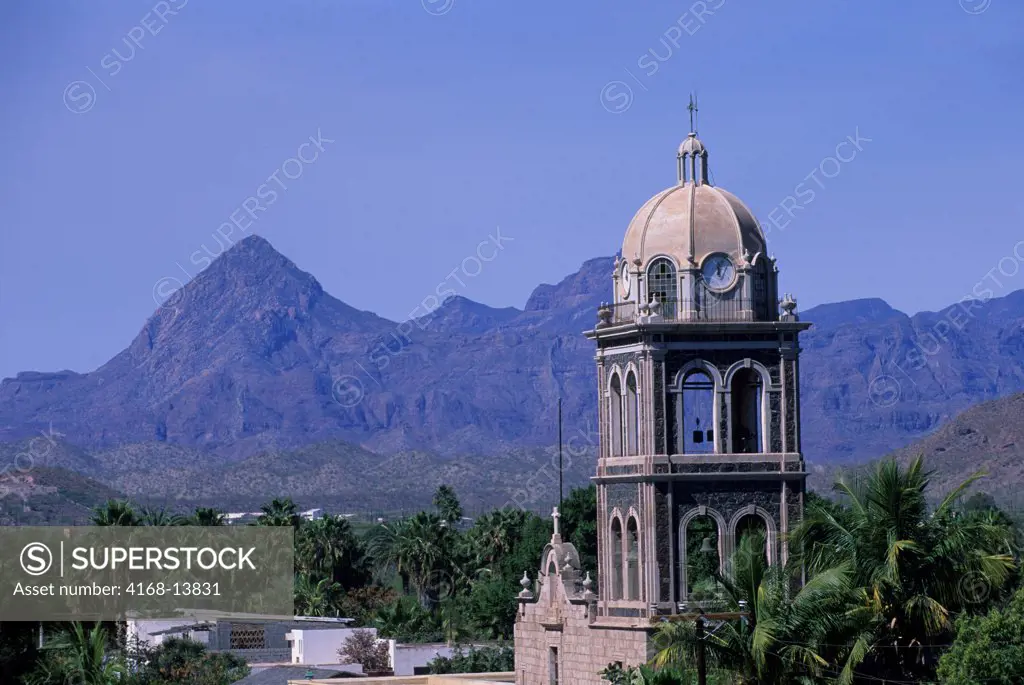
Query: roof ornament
column 525, row 583
column 788, row 304
column 692, row 158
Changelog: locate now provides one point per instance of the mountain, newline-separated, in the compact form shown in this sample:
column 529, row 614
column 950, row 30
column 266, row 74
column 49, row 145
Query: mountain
column 253, row 357
column 874, row 379
column 342, row 477
column 47, row 496
column 988, row 437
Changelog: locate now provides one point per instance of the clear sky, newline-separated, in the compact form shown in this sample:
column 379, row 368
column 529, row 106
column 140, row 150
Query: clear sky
column 130, row 134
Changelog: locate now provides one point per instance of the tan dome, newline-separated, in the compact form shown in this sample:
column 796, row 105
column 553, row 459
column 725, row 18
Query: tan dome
column 691, row 221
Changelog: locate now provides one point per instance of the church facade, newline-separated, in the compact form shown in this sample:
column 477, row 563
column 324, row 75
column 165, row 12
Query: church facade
column 699, row 413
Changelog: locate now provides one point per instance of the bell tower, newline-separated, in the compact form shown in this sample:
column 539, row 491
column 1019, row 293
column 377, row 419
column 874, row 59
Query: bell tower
column 699, row 399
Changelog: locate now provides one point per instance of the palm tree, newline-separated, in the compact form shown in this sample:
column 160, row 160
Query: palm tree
column 316, row 597
column 785, row 633
column 115, row 513
column 80, row 656
column 327, row 546
column 421, row 550
column 405, row 619
column 913, row 570
column 494, row 535
column 161, row 517
column 279, row 512
column 207, row 516
column 447, row 504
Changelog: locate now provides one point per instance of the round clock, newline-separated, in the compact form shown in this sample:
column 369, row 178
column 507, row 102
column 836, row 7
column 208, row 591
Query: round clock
column 624, row 278
column 718, row 272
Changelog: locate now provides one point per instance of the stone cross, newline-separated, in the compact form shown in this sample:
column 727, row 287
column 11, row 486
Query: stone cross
column 556, row 516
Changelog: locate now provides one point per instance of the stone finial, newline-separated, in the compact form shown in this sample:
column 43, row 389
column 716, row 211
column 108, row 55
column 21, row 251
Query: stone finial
column 604, row 315
column 588, row 588
column 788, row 304
column 555, row 516
column 525, row 583
column 655, row 305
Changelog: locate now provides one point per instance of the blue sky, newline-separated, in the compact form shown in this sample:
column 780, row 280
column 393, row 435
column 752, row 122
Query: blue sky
column 128, row 139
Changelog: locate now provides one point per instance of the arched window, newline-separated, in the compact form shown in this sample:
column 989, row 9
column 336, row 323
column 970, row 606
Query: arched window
column 702, row 562
column 630, row 419
column 694, row 416
column 663, row 285
column 747, row 410
column 760, row 291
column 632, row 560
column 752, row 526
column 615, row 415
column 616, row 543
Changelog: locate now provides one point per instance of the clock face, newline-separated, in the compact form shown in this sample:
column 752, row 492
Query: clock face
column 624, row 279
column 718, row 272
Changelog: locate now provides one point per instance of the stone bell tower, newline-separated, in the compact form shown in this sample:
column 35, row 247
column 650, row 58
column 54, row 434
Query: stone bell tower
column 699, row 412
column 699, row 395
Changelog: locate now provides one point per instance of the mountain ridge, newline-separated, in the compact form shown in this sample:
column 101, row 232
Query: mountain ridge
column 254, row 355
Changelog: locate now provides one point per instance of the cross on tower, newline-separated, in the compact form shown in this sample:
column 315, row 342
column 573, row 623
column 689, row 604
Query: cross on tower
column 692, row 107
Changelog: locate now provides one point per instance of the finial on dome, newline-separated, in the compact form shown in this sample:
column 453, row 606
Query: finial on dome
column 688, row 169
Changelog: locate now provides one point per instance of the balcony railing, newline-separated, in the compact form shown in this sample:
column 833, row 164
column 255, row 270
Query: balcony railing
column 708, row 308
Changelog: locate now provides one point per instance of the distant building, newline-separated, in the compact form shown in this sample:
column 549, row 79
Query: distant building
column 274, row 642
column 699, row 415
column 253, row 637
column 241, row 518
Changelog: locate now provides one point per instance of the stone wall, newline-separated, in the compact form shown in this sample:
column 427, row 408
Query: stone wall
column 584, row 647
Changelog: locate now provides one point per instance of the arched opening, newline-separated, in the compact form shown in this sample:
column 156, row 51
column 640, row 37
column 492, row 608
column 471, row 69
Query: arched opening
column 694, row 419
column 754, row 527
column 760, row 291
column 632, row 560
column 632, row 410
column 552, row 577
column 615, row 415
column 702, row 560
column 663, row 286
column 616, row 543
column 747, row 410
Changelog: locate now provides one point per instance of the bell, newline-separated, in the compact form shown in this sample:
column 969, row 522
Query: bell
column 707, row 547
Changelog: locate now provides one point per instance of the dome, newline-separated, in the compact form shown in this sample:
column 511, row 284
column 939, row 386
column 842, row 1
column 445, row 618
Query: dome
column 692, row 220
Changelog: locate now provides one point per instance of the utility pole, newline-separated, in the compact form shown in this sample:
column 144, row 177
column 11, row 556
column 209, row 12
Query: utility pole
column 700, row 620
column 559, row 453
column 702, row 667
